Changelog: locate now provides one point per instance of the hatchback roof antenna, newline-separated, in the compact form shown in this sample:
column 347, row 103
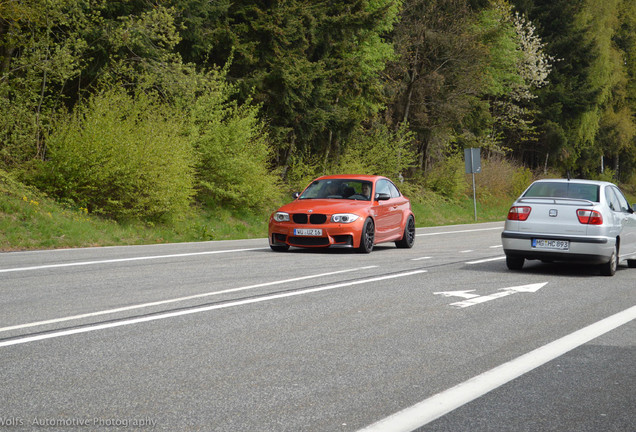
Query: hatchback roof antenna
column 568, row 175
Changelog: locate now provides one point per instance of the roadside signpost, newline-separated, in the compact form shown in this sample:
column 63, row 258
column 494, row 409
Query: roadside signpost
column 473, row 165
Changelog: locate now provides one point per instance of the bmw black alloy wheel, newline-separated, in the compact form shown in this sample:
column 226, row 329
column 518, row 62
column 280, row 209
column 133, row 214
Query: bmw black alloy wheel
column 408, row 238
column 368, row 236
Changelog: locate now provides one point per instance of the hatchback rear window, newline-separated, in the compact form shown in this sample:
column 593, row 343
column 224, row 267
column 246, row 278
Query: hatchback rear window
column 573, row 190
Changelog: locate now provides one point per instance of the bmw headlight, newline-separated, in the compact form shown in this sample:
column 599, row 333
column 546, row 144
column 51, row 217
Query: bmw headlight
column 344, row 218
column 281, row 217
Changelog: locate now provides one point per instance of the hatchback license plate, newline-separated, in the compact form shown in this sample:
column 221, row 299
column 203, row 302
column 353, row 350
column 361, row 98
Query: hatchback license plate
column 307, row 232
column 551, row 244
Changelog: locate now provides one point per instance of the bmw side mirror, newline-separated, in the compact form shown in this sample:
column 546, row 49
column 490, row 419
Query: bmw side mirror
column 295, row 195
column 382, row 196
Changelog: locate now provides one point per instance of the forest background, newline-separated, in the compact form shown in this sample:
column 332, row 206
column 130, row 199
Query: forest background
column 173, row 115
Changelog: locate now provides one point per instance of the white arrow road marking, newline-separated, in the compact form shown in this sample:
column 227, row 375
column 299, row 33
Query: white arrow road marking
column 527, row 288
column 505, row 292
column 481, row 299
column 462, row 294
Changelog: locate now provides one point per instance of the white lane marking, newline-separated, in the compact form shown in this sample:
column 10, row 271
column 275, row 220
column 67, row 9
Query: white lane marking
column 420, row 258
column 83, row 263
column 486, row 260
column 467, row 251
column 179, row 299
column 442, row 403
column 126, row 322
column 496, row 246
column 460, row 231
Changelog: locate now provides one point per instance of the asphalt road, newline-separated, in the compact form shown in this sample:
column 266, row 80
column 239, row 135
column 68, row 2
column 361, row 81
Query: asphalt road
column 230, row 336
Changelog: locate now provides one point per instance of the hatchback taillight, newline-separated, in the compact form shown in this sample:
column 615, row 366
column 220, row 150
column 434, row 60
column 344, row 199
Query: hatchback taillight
column 519, row 213
column 589, row 217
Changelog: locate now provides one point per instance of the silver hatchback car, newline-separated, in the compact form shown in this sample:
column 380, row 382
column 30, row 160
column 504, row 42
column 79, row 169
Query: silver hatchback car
column 571, row 220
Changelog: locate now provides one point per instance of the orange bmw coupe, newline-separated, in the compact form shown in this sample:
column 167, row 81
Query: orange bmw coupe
column 358, row 211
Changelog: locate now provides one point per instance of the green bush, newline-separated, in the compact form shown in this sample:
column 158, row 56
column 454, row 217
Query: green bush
column 447, row 178
column 501, row 179
column 121, row 156
column 607, row 175
column 18, row 129
column 302, row 171
column 233, row 154
column 521, row 179
column 378, row 151
column 374, row 151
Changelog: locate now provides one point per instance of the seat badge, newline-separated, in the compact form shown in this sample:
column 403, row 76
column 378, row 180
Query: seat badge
column 310, row 211
column 553, row 212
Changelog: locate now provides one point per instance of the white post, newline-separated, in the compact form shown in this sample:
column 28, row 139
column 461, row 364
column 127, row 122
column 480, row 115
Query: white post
column 474, row 198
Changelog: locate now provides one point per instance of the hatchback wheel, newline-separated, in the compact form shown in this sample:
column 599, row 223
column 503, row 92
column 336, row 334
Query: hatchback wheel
column 609, row 268
column 408, row 238
column 514, row 262
column 367, row 237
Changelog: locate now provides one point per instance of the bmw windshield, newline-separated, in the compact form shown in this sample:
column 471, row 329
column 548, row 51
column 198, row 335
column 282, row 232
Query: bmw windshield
column 338, row 189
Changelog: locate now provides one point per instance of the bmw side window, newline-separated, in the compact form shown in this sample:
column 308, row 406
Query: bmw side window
column 395, row 193
column 382, row 187
column 624, row 205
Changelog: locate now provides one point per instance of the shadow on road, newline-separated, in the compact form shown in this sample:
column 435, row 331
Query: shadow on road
column 536, row 267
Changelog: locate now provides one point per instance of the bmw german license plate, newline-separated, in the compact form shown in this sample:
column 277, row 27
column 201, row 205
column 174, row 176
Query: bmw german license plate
column 551, row 244
column 307, row 232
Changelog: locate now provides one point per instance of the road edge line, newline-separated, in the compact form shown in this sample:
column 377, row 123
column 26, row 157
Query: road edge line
column 444, row 402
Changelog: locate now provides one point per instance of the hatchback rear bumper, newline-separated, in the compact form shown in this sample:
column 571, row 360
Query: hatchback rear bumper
column 572, row 239
column 592, row 250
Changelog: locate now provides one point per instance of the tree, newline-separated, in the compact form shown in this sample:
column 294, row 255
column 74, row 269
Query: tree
column 52, row 51
column 134, row 46
column 41, row 51
column 518, row 66
column 586, row 113
column 313, row 65
column 436, row 77
column 617, row 125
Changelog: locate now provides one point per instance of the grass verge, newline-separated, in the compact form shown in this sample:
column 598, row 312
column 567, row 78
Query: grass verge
column 29, row 220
